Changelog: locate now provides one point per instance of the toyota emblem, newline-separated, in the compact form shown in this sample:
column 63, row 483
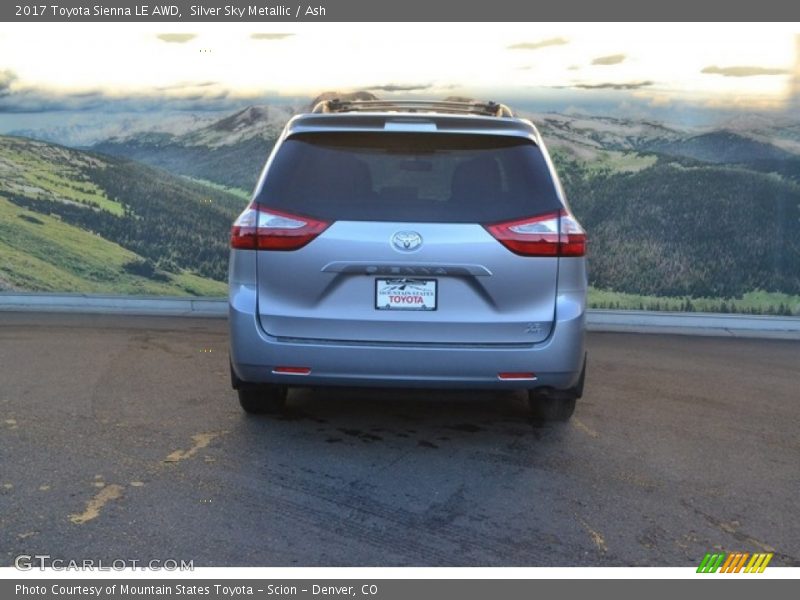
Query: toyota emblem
column 406, row 240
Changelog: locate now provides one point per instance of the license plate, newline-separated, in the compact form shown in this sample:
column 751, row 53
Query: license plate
column 405, row 294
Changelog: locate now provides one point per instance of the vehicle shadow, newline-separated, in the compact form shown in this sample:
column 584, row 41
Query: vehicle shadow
column 427, row 418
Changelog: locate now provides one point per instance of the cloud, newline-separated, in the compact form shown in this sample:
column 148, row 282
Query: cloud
column 743, row 71
column 38, row 100
column 556, row 41
column 660, row 100
column 270, row 36
column 176, row 38
column 7, row 77
column 631, row 85
column 573, row 68
column 183, row 85
column 742, row 103
column 611, row 59
column 393, row 87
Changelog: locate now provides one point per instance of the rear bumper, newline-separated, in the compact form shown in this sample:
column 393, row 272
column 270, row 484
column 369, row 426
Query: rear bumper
column 556, row 362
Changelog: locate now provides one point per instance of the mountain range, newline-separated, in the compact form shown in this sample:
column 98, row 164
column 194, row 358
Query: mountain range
column 670, row 211
column 229, row 152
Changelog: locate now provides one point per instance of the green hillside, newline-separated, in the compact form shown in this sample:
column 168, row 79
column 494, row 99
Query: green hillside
column 73, row 221
column 234, row 166
column 688, row 229
column 722, row 147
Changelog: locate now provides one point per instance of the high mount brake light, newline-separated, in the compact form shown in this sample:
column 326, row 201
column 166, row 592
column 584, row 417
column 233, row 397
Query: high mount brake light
column 551, row 234
column 260, row 228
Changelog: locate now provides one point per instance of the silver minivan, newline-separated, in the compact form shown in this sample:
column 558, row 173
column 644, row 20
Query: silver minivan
column 408, row 244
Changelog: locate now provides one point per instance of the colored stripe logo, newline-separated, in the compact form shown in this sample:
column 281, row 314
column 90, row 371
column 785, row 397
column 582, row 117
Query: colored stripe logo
column 734, row 562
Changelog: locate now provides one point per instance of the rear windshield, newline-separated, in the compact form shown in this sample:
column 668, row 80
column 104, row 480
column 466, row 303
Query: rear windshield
column 434, row 177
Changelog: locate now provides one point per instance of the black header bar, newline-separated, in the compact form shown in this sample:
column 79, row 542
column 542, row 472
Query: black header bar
column 283, row 11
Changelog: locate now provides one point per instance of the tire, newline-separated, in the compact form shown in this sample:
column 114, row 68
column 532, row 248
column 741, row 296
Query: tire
column 264, row 400
column 556, row 405
column 548, row 407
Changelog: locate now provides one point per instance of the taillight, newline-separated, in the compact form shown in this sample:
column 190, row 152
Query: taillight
column 573, row 237
column 260, row 228
column 551, row 234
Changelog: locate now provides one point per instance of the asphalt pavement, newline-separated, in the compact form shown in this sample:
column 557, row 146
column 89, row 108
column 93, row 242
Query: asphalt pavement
column 120, row 438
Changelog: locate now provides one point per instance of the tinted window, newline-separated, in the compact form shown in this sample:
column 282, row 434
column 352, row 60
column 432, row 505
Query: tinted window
column 409, row 177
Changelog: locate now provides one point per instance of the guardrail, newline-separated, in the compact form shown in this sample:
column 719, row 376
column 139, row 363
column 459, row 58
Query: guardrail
column 717, row 324
column 627, row 321
column 113, row 305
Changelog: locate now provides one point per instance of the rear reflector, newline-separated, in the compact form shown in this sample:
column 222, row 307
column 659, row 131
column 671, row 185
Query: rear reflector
column 551, row 234
column 291, row 370
column 505, row 376
column 259, row 228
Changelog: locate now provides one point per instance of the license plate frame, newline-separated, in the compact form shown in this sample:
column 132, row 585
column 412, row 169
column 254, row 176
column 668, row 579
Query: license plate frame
column 422, row 294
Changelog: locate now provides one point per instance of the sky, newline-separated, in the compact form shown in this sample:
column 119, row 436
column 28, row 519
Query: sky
column 639, row 68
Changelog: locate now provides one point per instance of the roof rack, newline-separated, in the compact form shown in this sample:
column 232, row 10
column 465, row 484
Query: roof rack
column 492, row 109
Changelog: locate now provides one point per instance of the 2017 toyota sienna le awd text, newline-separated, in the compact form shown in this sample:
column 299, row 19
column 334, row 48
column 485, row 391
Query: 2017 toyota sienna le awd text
column 408, row 244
